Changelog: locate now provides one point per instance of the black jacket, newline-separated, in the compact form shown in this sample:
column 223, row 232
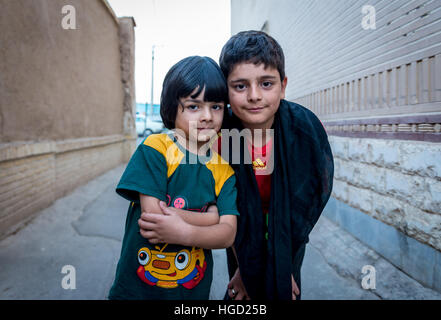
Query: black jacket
column 301, row 186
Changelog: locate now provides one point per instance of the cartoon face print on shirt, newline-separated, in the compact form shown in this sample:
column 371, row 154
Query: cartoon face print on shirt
column 171, row 269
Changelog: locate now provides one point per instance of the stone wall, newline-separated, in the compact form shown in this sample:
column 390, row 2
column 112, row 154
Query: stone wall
column 397, row 182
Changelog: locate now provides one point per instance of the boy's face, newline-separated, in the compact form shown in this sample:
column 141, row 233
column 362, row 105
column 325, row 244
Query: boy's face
column 198, row 119
column 255, row 94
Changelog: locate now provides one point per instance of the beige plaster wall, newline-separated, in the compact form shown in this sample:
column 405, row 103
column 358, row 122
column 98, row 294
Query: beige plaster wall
column 58, row 84
column 66, row 109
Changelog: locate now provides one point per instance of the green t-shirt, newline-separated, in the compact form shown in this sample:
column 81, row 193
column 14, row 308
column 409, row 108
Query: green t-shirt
column 162, row 168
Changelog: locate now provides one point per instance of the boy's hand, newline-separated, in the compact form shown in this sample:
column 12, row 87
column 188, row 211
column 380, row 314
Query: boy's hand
column 166, row 228
column 236, row 288
column 295, row 289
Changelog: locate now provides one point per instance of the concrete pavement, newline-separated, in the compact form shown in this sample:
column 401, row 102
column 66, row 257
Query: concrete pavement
column 84, row 230
column 337, row 265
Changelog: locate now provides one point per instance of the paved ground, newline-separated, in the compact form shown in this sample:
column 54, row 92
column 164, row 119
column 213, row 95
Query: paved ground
column 333, row 269
column 85, row 228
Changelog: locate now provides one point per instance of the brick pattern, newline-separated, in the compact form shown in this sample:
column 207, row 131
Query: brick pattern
column 77, row 167
column 26, row 185
column 397, row 182
column 32, row 176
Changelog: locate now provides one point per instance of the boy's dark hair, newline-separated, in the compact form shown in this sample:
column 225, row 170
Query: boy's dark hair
column 255, row 47
column 183, row 78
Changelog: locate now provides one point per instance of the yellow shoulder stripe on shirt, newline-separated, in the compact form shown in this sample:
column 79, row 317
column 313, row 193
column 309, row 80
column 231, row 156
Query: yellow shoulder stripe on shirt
column 221, row 171
column 164, row 145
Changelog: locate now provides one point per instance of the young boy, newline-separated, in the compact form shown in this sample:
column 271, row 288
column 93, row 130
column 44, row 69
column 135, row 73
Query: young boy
column 175, row 169
column 272, row 231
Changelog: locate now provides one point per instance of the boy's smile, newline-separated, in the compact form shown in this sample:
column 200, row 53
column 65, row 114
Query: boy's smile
column 255, row 93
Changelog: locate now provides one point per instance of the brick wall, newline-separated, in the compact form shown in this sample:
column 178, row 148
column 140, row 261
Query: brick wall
column 33, row 175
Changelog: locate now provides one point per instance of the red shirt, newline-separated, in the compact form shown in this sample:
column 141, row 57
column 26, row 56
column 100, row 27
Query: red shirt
column 260, row 157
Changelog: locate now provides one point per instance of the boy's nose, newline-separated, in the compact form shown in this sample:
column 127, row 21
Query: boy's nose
column 254, row 94
column 206, row 114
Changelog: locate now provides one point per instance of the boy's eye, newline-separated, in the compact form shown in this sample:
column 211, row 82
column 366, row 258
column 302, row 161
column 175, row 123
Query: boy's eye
column 267, row 84
column 239, row 87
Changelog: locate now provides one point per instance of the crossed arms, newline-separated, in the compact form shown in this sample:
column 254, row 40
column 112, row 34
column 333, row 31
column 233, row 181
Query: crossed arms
column 161, row 224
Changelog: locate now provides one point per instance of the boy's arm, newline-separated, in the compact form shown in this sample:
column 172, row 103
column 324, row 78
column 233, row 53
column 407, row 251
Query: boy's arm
column 171, row 228
column 214, row 237
column 151, row 204
column 196, row 218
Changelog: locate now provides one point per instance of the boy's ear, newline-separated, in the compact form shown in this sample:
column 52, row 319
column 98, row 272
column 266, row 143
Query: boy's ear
column 284, row 83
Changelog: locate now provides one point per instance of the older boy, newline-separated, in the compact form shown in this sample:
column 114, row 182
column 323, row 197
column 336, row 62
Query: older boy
column 272, row 233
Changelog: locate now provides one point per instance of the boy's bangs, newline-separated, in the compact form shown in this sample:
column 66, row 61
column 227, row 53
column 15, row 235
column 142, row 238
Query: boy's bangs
column 214, row 84
column 255, row 47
